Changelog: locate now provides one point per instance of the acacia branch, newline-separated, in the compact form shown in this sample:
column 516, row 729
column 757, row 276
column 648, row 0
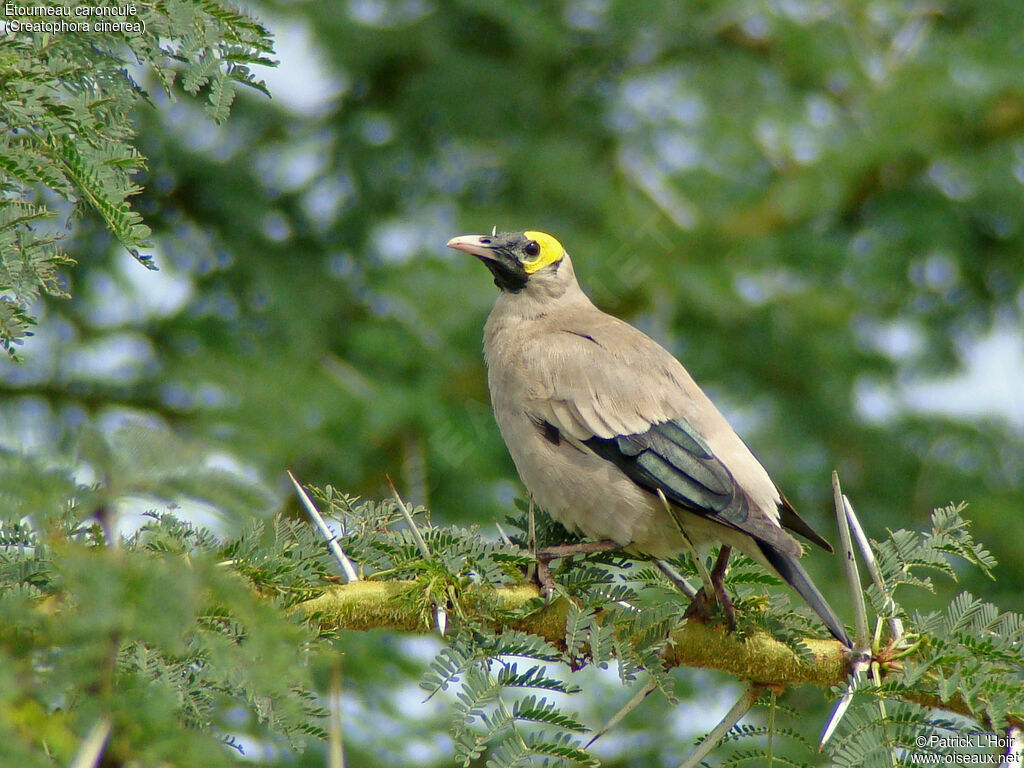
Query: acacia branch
column 757, row 658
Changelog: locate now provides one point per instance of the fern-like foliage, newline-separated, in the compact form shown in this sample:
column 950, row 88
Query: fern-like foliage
column 510, row 706
column 908, row 557
column 770, row 733
column 160, row 630
column 969, row 657
column 100, row 618
column 66, row 130
column 497, row 698
column 460, row 557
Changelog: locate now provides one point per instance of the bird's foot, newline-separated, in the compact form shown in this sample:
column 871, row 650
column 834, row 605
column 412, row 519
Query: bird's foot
column 546, row 555
column 544, row 579
column 702, row 608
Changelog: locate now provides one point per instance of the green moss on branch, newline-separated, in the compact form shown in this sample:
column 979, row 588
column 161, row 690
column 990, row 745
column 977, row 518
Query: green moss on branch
column 367, row 605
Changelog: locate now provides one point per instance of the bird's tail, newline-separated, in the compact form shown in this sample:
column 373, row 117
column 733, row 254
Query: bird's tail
column 793, row 573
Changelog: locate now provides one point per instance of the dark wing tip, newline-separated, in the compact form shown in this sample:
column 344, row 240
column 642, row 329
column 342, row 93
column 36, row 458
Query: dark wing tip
column 792, row 521
column 793, row 573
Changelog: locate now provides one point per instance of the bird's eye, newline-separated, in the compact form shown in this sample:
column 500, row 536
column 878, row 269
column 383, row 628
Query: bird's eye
column 532, row 248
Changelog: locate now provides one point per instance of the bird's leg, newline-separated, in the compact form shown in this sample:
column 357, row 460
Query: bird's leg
column 700, row 607
column 717, row 581
column 546, row 555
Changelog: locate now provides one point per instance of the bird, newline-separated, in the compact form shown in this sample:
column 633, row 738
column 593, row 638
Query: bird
column 614, row 439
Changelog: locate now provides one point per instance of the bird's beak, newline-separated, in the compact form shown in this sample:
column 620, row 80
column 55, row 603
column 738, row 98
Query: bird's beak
column 494, row 252
column 475, row 245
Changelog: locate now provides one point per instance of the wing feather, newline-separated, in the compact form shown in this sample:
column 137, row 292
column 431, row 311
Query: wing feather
column 613, row 389
column 599, row 422
column 562, row 416
column 696, row 481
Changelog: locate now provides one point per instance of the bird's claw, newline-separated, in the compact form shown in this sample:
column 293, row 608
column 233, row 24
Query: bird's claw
column 546, row 555
column 702, row 607
column 544, row 579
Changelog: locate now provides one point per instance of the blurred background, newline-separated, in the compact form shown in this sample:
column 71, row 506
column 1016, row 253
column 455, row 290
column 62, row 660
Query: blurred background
column 819, row 208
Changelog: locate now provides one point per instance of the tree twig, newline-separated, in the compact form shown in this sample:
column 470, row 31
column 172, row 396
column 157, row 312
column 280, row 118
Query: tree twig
column 758, row 657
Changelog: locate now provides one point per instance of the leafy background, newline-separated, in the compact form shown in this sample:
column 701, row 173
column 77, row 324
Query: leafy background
column 819, row 209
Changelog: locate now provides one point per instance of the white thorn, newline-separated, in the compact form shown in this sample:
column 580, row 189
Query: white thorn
column 733, row 716
column 91, row 750
column 895, row 623
column 860, row 614
column 321, row 524
column 335, row 745
column 417, row 536
column 676, row 578
column 702, row 569
column 440, row 614
column 1014, row 748
column 441, row 619
column 630, row 705
column 856, row 670
column 502, row 535
column 531, row 542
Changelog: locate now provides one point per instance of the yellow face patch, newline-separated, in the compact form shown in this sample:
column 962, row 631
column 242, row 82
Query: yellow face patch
column 550, row 251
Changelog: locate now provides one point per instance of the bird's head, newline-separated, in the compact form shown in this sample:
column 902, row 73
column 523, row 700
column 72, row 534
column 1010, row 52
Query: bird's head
column 518, row 259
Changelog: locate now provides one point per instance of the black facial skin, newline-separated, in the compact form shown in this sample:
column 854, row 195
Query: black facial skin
column 505, row 259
